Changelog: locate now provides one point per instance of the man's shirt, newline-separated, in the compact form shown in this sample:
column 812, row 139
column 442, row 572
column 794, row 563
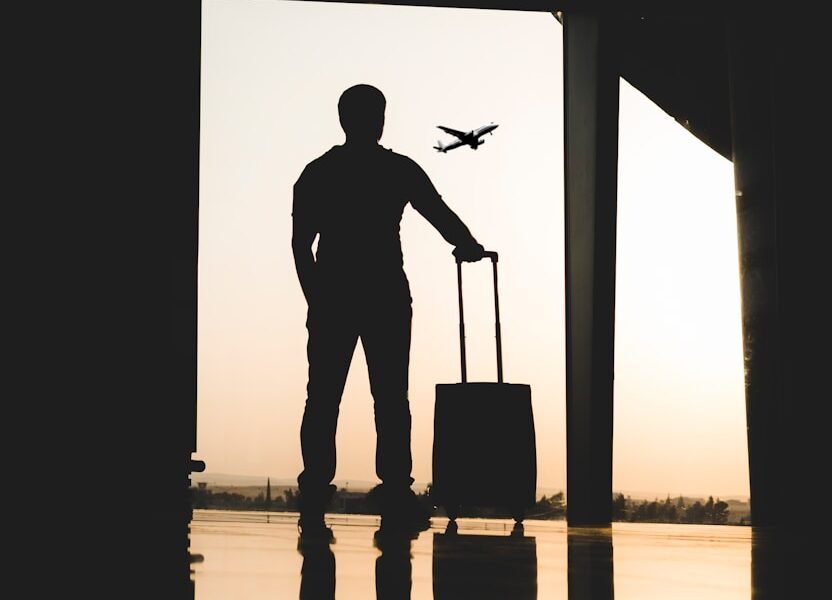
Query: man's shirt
column 354, row 198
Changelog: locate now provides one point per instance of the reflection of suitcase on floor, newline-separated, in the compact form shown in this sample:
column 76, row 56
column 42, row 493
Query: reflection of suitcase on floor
column 484, row 566
column 484, row 452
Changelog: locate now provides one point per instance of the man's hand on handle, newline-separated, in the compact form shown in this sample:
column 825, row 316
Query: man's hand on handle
column 471, row 253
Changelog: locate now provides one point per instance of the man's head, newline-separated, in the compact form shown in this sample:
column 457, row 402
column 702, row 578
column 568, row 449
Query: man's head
column 361, row 111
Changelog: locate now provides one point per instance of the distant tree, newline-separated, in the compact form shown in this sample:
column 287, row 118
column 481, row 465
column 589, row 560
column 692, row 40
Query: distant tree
column 619, row 507
column 709, row 510
column 639, row 514
column 557, row 506
column 671, row 513
column 200, row 497
column 291, row 499
column 720, row 512
column 695, row 513
column 551, row 507
column 652, row 511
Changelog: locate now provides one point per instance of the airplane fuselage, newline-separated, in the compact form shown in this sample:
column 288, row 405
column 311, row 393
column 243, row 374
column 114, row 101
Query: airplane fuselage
column 471, row 138
column 481, row 131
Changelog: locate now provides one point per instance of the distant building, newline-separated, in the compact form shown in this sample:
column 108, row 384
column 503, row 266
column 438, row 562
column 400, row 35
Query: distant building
column 351, row 503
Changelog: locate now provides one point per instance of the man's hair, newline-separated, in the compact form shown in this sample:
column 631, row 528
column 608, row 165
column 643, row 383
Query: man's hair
column 361, row 111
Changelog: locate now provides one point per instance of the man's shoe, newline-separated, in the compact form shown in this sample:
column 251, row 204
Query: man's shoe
column 312, row 507
column 314, row 529
column 405, row 512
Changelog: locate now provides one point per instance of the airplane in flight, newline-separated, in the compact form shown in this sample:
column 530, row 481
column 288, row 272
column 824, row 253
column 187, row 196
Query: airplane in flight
column 471, row 138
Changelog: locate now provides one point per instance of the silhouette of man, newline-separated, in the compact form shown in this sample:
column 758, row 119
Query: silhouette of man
column 352, row 199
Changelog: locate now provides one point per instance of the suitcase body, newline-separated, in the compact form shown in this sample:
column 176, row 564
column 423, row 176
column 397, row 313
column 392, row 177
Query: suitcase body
column 484, row 450
column 484, row 447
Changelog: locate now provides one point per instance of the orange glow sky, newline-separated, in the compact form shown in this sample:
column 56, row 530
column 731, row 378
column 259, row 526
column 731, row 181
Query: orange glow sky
column 271, row 76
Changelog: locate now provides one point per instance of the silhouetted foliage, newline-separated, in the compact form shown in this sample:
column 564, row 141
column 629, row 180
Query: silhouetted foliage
column 551, row 507
column 624, row 508
column 619, row 507
column 713, row 512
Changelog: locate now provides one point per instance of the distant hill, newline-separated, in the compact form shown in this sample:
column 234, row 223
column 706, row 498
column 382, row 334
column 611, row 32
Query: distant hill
column 737, row 502
column 642, row 495
column 225, row 480
column 228, row 480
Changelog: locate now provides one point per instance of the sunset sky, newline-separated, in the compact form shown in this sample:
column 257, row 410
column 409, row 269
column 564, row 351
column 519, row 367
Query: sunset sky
column 272, row 72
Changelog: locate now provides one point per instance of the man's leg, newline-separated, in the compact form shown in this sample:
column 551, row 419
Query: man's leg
column 329, row 350
column 385, row 335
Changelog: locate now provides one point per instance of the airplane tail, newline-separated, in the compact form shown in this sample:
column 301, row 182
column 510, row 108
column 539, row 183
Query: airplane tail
column 439, row 147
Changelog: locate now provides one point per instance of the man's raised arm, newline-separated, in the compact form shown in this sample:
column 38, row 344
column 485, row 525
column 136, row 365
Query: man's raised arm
column 428, row 203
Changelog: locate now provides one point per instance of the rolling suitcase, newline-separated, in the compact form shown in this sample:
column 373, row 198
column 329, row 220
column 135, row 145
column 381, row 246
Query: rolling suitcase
column 484, row 451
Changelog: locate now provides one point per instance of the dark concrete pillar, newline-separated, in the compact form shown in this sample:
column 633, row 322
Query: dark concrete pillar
column 591, row 85
column 756, row 200
column 776, row 74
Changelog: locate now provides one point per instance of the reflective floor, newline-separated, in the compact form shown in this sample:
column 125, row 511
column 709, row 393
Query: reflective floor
column 258, row 556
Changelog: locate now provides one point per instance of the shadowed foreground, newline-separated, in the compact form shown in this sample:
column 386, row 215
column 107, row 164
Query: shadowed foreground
column 257, row 555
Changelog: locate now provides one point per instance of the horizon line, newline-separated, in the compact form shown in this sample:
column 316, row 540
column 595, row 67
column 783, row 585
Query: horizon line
column 421, row 485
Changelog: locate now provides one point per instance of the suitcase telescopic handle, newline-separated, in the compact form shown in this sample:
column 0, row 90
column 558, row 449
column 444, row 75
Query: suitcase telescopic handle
column 493, row 256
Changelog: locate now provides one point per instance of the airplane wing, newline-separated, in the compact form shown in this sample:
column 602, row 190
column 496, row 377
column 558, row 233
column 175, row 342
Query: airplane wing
column 454, row 132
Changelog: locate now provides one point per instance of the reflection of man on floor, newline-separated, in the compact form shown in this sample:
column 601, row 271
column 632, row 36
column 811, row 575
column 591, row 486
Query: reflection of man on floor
column 353, row 197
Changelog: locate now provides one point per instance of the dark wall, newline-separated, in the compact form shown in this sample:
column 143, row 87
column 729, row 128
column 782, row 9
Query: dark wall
column 109, row 257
